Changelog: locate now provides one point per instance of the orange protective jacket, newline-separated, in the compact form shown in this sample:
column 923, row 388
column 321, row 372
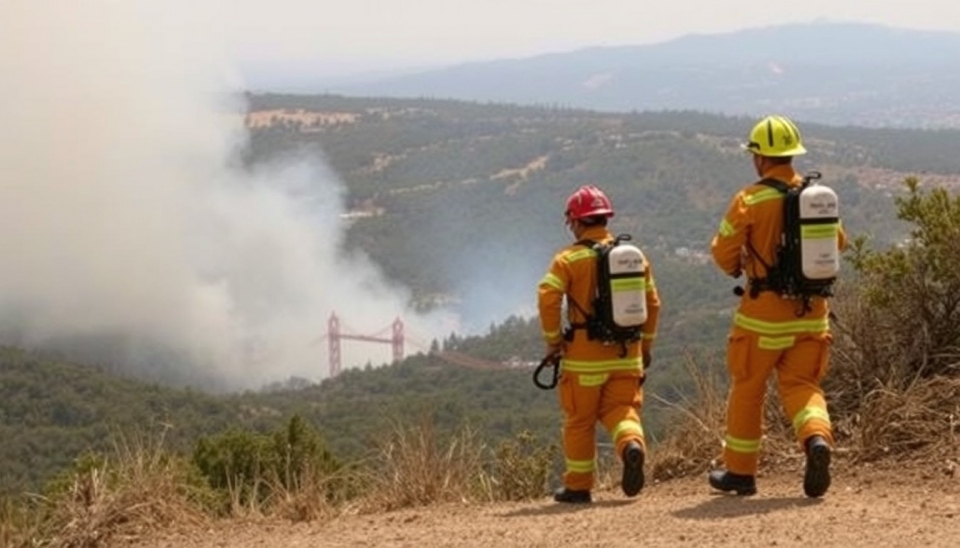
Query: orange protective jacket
column 573, row 273
column 755, row 217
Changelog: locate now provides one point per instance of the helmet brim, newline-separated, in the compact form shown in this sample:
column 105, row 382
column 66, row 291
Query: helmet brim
column 752, row 148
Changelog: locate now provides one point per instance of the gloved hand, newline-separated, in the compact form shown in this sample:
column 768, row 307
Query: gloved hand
column 647, row 360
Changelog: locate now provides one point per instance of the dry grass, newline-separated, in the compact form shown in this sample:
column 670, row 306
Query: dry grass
column 694, row 436
column 143, row 490
column 319, row 496
column 19, row 525
column 415, row 467
column 919, row 422
column 881, row 408
column 521, row 469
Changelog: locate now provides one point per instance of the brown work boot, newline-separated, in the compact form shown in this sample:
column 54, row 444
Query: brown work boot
column 632, row 480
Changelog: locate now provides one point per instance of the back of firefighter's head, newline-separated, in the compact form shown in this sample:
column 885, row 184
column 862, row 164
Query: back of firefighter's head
column 774, row 140
column 588, row 206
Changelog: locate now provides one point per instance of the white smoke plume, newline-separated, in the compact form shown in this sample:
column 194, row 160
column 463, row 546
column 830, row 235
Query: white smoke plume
column 128, row 231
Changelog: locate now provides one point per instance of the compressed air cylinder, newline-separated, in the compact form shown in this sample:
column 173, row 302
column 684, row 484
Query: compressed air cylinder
column 627, row 285
column 819, row 233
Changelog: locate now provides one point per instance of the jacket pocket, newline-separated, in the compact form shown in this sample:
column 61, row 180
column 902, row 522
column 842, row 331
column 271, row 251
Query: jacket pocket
column 738, row 355
column 565, row 390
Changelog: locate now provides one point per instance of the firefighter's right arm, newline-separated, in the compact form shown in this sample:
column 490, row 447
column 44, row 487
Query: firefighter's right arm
column 730, row 239
column 550, row 294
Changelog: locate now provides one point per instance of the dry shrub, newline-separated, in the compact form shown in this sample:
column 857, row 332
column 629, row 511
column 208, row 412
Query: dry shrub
column 19, row 527
column 921, row 421
column 316, row 495
column 414, row 467
column 695, row 423
column 861, row 357
column 141, row 490
column 521, row 468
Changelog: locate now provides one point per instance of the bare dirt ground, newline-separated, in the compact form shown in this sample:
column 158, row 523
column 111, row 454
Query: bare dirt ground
column 918, row 505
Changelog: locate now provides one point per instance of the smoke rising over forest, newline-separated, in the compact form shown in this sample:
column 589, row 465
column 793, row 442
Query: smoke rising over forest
column 132, row 235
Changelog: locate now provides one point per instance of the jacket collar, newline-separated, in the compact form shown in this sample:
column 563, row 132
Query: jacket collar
column 595, row 234
column 784, row 173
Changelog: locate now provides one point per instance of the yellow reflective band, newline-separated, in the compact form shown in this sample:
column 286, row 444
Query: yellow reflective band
column 598, row 366
column 596, row 379
column 580, row 466
column 551, row 335
column 761, row 196
column 552, row 280
column 819, row 232
column 726, row 229
column 775, row 343
column 626, row 427
column 651, row 286
column 648, row 336
column 628, row 284
column 580, row 255
column 809, row 413
column 781, row 328
column 742, row 446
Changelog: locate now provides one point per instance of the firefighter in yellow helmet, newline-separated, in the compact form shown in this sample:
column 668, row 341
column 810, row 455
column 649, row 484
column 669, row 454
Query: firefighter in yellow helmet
column 771, row 333
column 598, row 383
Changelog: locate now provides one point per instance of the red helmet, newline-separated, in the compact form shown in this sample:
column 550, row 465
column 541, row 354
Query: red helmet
column 588, row 201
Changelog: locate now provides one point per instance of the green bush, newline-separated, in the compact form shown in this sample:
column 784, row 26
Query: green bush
column 910, row 293
column 249, row 467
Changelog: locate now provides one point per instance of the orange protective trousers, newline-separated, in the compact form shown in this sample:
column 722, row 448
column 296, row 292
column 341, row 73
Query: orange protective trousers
column 610, row 398
column 799, row 370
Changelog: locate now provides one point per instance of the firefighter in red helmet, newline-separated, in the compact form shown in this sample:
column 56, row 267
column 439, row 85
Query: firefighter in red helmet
column 598, row 383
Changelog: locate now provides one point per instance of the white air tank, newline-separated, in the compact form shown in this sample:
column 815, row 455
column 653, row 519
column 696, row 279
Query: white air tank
column 628, row 285
column 819, row 233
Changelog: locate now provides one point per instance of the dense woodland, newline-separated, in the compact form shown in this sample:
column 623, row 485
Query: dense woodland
column 447, row 216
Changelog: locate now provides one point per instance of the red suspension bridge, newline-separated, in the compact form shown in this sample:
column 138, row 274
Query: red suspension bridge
column 394, row 335
column 335, row 335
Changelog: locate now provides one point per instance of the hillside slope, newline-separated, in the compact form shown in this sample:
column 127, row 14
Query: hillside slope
column 916, row 506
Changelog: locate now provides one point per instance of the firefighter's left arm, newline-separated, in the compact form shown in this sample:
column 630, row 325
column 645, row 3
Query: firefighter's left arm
column 731, row 237
column 550, row 294
column 653, row 312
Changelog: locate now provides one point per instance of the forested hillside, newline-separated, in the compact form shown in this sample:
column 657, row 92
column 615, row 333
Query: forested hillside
column 462, row 201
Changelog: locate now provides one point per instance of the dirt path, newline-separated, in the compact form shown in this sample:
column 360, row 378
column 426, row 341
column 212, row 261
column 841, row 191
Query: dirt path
column 920, row 507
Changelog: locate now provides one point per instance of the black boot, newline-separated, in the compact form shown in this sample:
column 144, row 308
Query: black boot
column 728, row 481
column 632, row 481
column 816, row 479
column 570, row 495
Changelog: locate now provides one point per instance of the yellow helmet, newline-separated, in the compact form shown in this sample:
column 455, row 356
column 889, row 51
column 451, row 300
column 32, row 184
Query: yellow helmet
column 775, row 136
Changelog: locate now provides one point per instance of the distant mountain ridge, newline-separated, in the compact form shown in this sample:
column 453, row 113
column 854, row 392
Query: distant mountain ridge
column 834, row 73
